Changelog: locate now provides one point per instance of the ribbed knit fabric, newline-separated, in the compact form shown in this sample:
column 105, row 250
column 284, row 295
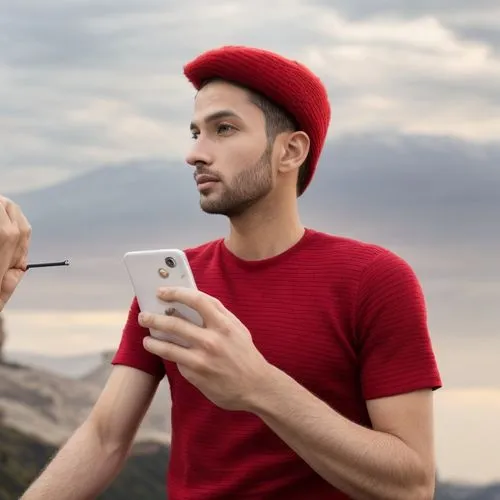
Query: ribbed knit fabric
column 288, row 83
column 346, row 319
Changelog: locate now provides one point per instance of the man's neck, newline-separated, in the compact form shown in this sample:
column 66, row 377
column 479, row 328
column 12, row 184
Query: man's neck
column 259, row 235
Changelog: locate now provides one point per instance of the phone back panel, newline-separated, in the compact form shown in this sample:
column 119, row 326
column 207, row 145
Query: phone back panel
column 152, row 269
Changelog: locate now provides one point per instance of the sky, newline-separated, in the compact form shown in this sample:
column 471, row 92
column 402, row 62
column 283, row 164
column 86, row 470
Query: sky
column 94, row 126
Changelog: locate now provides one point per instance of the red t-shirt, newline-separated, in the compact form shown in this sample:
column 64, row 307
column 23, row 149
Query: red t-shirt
column 345, row 319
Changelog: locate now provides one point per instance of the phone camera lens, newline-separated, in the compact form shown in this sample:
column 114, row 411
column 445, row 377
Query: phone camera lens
column 170, row 261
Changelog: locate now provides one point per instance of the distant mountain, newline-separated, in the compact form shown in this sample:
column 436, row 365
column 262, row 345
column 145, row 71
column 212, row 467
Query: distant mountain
column 115, row 206
column 50, row 407
column 66, row 366
column 359, row 181
column 400, row 191
column 93, row 219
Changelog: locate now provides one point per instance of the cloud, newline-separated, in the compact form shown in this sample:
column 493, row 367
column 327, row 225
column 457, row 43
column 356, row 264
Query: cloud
column 88, row 83
column 414, row 76
column 64, row 333
column 362, row 9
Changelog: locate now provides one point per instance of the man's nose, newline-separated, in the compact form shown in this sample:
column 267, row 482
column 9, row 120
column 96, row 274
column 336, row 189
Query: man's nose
column 199, row 155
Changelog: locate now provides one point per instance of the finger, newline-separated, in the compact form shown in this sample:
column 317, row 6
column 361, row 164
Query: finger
column 10, row 207
column 230, row 317
column 8, row 241
column 171, row 352
column 4, row 216
column 208, row 307
column 172, row 324
column 25, row 240
column 9, row 283
column 4, row 201
column 14, row 231
column 21, row 222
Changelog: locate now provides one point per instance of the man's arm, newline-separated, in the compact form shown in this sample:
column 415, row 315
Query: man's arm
column 90, row 460
column 394, row 460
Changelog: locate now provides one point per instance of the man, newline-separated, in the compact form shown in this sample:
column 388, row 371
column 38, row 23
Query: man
column 313, row 374
column 15, row 234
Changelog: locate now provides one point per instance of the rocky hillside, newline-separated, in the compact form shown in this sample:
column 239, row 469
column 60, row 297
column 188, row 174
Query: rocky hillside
column 49, row 406
column 143, row 477
column 23, row 457
column 39, row 409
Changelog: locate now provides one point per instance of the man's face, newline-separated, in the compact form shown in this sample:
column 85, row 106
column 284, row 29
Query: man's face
column 231, row 155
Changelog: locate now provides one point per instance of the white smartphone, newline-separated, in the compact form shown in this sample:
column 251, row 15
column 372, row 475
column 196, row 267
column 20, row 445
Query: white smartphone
column 151, row 269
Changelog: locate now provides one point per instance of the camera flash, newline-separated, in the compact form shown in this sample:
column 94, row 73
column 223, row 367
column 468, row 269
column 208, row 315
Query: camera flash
column 163, row 272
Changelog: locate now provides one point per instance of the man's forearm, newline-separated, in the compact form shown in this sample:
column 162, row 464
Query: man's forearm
column 361, row 462
column 81, row 470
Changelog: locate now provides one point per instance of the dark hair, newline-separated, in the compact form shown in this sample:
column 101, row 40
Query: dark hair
column 278, row 120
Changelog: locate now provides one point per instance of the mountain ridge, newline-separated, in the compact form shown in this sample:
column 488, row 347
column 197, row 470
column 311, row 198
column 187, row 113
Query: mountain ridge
column 50, row 406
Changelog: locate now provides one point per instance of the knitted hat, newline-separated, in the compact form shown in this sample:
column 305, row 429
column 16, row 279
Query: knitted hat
column 287, row 83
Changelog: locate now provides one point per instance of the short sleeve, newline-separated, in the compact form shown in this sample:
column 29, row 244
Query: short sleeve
column 131, row 352
column 396, row 352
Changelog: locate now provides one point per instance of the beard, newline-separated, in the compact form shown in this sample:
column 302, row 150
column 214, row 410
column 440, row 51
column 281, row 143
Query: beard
column 246, row 189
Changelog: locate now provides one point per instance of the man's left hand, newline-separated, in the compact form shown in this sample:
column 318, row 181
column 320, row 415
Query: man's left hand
column 222, row 360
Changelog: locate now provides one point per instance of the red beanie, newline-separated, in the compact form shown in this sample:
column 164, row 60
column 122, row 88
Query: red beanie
column 288, row 83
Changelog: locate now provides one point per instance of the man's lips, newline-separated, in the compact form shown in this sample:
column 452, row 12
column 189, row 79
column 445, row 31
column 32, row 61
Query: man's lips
column 205, row 179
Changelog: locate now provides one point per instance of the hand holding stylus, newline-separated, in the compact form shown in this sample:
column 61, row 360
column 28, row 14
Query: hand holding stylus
column 15, row 235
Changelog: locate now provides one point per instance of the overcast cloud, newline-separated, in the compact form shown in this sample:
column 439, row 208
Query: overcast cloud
column 84, row 84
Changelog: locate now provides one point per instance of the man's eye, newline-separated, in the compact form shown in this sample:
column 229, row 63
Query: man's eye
column 224, row 128
column 194, row 135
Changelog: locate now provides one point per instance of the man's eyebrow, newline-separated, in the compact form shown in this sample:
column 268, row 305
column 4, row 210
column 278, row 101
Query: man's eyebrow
column 218, row 115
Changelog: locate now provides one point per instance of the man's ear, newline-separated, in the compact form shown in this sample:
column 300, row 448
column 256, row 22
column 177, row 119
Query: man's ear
column 294, row 149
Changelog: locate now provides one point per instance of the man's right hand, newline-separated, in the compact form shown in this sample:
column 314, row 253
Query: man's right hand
column 15, row 235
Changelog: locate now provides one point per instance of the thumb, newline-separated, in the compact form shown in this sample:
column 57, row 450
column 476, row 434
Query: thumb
column 9, row 283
